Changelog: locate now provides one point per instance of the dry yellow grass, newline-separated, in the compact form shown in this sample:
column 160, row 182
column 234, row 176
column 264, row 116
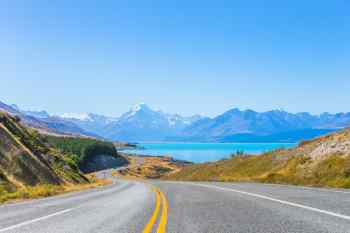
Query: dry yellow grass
column 149, row 168
column 47, row 190
column 324, row 161
column 333, row 171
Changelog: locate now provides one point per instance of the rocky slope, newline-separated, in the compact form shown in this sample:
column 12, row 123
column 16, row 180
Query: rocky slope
column 324, row 161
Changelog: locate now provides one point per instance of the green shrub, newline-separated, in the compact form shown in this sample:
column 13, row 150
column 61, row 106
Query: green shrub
column 81, row 150
column 98, row 148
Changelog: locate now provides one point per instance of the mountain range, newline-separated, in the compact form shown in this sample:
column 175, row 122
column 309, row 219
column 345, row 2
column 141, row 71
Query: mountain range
column 140, row 123
column 143, row 124
column 272, row 126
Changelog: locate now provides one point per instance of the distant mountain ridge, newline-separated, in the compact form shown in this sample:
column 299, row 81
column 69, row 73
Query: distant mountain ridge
column 143, row 124
column 44, row 122
column 246, row 126
column 140, row 123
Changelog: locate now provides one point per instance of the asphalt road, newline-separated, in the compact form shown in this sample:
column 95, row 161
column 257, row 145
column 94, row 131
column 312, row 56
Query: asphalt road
column 183, row 207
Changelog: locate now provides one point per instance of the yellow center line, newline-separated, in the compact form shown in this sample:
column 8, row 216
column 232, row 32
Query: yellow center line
column 160, row 200
column 164, row 216
column 153, row 219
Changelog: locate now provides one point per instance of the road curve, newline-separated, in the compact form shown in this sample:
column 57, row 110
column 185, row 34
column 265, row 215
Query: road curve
column 254, row 208
column 181, row 207
column 121, row 207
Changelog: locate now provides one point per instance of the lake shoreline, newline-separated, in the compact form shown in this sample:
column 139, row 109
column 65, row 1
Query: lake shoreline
column 203, row 152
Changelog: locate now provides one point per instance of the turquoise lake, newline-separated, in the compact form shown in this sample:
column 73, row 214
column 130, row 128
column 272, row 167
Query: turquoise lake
column 204, row 152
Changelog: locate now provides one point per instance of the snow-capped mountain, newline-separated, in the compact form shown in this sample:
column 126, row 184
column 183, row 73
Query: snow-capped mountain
column 141, row 123
column 76, row 116
column 272, row 126
column 89, row 121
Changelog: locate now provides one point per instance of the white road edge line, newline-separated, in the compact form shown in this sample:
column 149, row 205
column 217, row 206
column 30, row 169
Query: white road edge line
column 308, row 188
column 34, row 220
column 346, row 217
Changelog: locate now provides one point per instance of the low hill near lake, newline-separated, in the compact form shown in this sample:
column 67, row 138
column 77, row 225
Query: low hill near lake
column 324, row 161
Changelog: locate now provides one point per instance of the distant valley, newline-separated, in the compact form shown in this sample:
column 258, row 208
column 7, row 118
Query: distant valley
column 143, row 124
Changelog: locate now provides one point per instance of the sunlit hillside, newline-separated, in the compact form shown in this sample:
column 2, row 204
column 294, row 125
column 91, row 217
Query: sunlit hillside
column 321, row 162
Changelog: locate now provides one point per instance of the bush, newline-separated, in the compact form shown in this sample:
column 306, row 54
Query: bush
column 98, row 148
column 238, row 153
column 81, row 150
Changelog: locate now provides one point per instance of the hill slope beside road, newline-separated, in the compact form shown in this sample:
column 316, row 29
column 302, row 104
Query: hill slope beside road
column 27, row 160
column 31, row 167
column 324, row 161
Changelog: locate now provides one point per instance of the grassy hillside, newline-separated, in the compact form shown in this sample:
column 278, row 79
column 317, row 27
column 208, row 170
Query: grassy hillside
column 321, row 162
column 30, row 166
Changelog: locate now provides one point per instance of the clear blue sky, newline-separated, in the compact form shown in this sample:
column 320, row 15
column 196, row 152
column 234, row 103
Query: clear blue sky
column 180, row 56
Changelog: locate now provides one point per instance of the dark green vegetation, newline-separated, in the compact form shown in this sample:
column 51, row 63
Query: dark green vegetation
column 321, row 162
column 84, row 151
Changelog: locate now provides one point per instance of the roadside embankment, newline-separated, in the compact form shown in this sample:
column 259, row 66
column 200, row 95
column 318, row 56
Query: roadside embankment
column 323, row 162
column 31, row 166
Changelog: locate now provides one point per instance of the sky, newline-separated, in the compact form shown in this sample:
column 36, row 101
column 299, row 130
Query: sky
column 184, row 57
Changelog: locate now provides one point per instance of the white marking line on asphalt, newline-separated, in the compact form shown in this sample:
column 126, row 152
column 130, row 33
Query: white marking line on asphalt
column 346, row 217
column 308, row 188
column 34, row 220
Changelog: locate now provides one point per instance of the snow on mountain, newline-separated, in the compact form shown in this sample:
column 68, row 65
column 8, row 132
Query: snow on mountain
column 141, row 123
column 141, row 108
column 76, row 116
column 138, row 107
column 89, row 121
column 273, row 126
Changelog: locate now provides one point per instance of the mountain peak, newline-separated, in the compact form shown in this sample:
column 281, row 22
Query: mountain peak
column 139, row 107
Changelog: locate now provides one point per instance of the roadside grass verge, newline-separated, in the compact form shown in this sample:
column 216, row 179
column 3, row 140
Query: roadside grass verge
column 151, row 167
column 333, row 171
column 47, row 190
